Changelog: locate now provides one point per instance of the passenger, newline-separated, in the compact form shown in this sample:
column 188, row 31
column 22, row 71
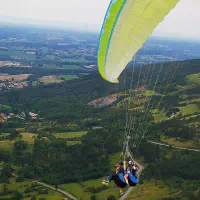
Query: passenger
column 118, row 178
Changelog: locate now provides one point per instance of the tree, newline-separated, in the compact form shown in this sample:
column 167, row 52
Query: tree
column 111, row 197
column 5, row 173
column 13, row 134
column 20, row 145
column 93, row 197
column 17, row 195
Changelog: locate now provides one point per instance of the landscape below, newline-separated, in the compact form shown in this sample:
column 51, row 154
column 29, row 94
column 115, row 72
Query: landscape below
column 62, row 124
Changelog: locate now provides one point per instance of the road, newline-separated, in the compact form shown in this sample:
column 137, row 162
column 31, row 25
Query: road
column 58, row 190
column 66, row 194
column 175, row 147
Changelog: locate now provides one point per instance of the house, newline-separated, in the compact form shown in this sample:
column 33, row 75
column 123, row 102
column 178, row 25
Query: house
column 10, row 115
column 30, row 53
column 3, row 116
column 33, row 115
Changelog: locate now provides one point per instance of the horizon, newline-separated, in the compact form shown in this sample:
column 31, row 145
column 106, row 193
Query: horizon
column 62, row 14
column 65, row 29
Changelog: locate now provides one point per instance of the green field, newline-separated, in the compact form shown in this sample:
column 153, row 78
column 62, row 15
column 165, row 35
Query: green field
column 71, row 67
column 152, row 191
column 7, row 144
column 4, row 134
column 159, row 115
column 151, row 93
column 25, row 136
column 28, row 137
column 67, row 77
column 22, row 186
column 81, row 190
column 194, row 79
column 71, row 134
column 189, row 109
column 176, row 142
column 74, row 67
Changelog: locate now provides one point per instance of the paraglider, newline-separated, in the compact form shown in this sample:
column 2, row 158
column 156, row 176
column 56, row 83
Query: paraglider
column 124, row 176
column 127, row 26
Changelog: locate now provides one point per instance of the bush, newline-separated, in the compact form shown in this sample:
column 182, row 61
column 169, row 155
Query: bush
column 93, row 197
column 111, row 197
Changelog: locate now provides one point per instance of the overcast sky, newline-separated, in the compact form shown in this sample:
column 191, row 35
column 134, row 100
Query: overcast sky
column 89, row 14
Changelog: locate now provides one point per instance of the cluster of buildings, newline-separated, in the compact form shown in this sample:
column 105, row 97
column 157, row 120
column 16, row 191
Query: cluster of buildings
column 16, row 64
column 33, row 115
column 30, row 53
column 91, row 66
column 4, row 86
column 4, row 117
column 9, row 64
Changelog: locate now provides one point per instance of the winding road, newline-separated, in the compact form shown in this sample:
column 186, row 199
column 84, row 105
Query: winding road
column 174, row 147
column 66, row 194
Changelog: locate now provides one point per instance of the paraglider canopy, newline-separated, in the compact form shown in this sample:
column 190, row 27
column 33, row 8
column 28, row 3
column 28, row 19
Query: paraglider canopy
column 127, row 25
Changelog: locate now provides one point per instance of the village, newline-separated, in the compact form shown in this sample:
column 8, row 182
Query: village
column 5, row 117
column 4, row 86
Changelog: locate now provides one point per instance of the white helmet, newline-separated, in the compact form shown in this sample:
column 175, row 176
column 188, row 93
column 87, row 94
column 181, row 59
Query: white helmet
column 130, row 162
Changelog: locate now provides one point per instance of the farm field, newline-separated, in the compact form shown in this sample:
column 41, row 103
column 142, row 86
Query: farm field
column 71, row 134
column 50, row 79
column 147, row 191
column 17, row 78
column 189, row 109
column 28, row 137
column 7, row 144
column 177, row 142
column 68, row 77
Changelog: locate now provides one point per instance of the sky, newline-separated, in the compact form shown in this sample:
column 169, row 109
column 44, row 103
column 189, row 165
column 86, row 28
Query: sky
column 88, row 15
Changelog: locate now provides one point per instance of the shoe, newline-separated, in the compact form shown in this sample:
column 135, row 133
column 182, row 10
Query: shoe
column 105, row 182
column 120, row 194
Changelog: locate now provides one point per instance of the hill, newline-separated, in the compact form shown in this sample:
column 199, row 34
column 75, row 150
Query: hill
column 88, row 138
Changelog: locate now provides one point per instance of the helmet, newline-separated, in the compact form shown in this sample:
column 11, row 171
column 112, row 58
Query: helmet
column 130, row 162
